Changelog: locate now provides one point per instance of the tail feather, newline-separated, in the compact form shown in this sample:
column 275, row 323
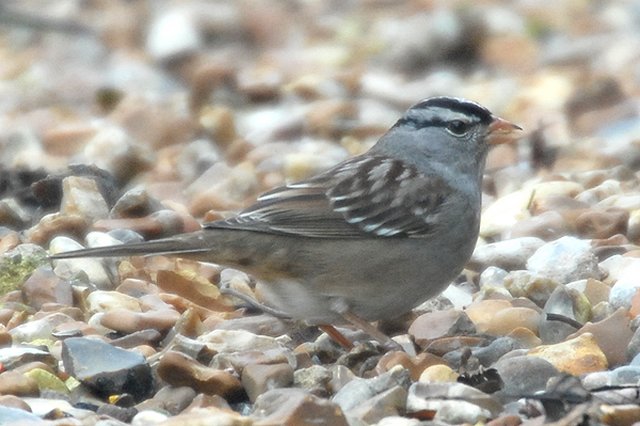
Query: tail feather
column 173, row 246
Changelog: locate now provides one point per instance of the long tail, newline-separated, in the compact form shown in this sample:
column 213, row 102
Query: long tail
column 173, row 245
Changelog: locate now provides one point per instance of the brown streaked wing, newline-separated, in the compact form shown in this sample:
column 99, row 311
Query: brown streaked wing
column 385, row 198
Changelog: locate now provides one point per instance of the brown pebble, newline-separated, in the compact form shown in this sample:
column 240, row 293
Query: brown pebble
column 14, row 402
column 178, row 369
column 72, row 225
column 43, row 286
column 508, row 420
column 194, row 288
column 416, row 364
column 259, row 378
column 612, row 335
column 205, row 401
column 126, row 321
column 602, row 224
column 14, row 383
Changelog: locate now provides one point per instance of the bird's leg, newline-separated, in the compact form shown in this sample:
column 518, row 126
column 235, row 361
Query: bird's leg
column 336, row 336
column 372, row 331
column 341, row 307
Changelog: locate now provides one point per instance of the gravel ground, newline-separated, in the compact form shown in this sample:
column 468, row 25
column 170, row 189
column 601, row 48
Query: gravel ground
column 122, row 121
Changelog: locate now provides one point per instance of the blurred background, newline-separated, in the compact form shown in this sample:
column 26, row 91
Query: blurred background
column 207, row 103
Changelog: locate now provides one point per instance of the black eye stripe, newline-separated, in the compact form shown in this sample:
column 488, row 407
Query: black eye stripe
column 419, row 124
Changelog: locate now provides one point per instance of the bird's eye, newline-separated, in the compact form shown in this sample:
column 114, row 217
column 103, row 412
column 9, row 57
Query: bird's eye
column 458, row 127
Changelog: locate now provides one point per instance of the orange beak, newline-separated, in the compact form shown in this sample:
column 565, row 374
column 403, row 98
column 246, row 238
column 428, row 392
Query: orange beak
column 502, row 131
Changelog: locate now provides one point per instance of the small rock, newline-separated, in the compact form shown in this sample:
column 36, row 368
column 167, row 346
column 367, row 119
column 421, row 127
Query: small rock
column 47, row 381
column 414, row 364
column 507, row 254
column 105, row 301
column 524, row 375
column 565, row 260
column 595, row 291
column 548, row 226
column 106, row 369
column 388, row 403
column 40, row 328
column 171, row 399
column 602, row 224
column 125, row 321
column 626, row 286
column 499, row 318
column 314, row 379
column 16, row 416
column 438, row 373
column 291, row 407
column 438, row 324
column 359, row 390
column 14, row 383
column 257, row 378
column 43, row 286
column 568, row 303
column 81, row 196
column 577, row 356
column 15, row 356
column 532, row 286
column 178, row 369
column 613, row 335
column 453, row 402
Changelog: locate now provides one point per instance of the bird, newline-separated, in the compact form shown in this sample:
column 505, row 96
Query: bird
column 368, row 239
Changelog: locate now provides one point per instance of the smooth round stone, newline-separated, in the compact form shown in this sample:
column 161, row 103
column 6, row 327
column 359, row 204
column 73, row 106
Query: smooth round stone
column 626, row 286
column 314, row 379
column 178, row 369
column 595, row 194
column 576, row 356
column 595, row 291
column 492, row 277
column 170, row 399
column 238, row 341
column 13, row 402
column 17, row 416
column 258, row 378
column 532, row 286
column 633, row 226
column 82, row 197
column 290, row 406
column 105, row 301
column 47, row 380
column 414, row 364
column 567, row 303
column 41, row 328
column 602, row 223
column 438, row 373
column 455, row 403
column 43, row 286
column 126, row 321
column 437, row 324
column 524, row 375
column 507, row 254
column 504, row 213
column 499, row 317
column 613, row 335
column 14, row 383
column 547, row 226
column 564, row 260
column 360, row 390
column 149, row 417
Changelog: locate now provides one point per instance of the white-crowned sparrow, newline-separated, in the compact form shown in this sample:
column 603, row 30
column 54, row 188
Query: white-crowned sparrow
column 372, row 237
